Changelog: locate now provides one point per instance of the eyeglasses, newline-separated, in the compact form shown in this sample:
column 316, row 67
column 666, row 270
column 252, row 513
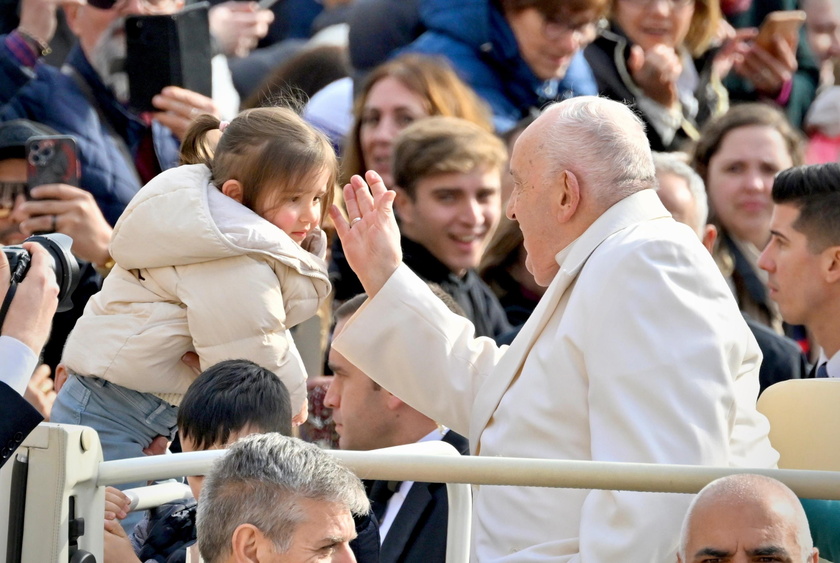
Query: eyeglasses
column 557, row 27
column 9, row 192
column 674, row 4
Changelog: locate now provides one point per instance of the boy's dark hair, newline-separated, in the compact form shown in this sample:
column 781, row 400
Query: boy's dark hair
column 229, row 396
column 815, row 190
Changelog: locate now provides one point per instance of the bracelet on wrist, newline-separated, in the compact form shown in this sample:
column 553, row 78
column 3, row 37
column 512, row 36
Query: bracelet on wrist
column 41, row 46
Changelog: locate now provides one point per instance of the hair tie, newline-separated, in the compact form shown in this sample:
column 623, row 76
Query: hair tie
column 223, row 125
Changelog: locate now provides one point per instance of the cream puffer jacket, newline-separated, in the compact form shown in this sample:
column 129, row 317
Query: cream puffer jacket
column 197, row 271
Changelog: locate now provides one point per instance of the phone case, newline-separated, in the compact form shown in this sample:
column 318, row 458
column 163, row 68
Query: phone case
column 52, row 160
column 168, row 50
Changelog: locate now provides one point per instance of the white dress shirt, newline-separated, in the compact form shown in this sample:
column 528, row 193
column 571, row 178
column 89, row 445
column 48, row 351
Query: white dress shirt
column 399, row 496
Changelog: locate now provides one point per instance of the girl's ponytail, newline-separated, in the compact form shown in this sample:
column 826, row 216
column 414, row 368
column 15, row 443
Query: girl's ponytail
column 200, row 142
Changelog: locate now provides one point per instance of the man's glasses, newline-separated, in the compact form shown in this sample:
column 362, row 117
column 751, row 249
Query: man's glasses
column 557, row 27
column 9, row 191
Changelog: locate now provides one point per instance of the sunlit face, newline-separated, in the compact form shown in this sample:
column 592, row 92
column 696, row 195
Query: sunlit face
column 529, row 204
column 323, row 536
column 453, row 215
column 795, row 277
column 822, row 25
column 13, row 171
column 547, row 46
column 301, row 214
column 654, row 22
column 744, row 532
column 740, row 180
column 187, row 445
column 360, row 409
column 389, row 108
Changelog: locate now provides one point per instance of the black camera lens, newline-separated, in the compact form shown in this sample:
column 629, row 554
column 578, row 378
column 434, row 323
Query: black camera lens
column 63, row 263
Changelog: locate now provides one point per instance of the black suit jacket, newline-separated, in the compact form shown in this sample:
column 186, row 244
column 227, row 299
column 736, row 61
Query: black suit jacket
column 16, row 422
column 418, row 533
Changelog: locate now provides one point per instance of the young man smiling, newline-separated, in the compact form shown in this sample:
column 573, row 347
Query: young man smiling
column 447, row 175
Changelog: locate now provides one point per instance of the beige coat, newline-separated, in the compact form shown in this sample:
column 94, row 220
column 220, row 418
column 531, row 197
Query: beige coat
column 197, row 271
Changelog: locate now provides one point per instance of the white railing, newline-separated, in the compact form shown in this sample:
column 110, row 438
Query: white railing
column 66, row 461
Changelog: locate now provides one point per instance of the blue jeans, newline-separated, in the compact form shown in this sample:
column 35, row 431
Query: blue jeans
column 126, row 420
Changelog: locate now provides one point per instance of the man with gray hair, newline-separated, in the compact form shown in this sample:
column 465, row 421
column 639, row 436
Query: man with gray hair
column 275, row 499
column 746, row 518
column 636, row 353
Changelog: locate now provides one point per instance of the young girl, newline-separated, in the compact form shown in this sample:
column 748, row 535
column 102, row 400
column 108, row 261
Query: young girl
column 220, row 258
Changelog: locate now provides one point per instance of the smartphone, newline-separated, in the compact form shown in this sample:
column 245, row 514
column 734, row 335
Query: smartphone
column 51, row 159
column 785, row 24
column 168, row 50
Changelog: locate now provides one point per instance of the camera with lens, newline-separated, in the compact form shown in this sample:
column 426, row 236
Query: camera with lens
column 64, row 264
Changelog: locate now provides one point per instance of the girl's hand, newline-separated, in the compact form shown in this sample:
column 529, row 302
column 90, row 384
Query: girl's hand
column 656, row 71
column 371, row 239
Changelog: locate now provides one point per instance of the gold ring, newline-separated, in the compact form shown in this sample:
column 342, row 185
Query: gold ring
column 54, row 224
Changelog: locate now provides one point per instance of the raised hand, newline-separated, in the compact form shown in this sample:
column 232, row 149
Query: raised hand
column 656, row 71
column 238, row 26
column 371, row 239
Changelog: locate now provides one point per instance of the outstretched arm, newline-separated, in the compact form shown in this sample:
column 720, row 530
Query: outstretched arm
column 371, row 239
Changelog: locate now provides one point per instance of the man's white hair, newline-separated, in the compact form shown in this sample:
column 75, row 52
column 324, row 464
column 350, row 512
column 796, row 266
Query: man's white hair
column 604, row 143
column 261, row 481
column 674, row 164
column 750, row 488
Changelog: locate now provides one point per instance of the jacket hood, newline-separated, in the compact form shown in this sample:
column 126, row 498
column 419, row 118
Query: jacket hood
column 448, row 17
column 180, row 218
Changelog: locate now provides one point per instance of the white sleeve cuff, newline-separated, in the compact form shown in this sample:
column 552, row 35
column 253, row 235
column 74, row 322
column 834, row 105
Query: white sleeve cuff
column 18, row 363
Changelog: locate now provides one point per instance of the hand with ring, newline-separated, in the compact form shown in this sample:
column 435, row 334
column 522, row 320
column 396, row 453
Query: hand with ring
column 371, row 240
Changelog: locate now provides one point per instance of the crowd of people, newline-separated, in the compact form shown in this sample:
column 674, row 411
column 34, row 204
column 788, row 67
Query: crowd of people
column 563, row 229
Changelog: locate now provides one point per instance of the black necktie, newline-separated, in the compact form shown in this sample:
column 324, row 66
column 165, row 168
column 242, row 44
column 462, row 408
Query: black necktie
column 380, row 493
column 822, row 370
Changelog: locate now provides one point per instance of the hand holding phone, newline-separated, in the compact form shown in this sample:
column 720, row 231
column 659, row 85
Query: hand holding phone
column 51, row 159
column 784, row 24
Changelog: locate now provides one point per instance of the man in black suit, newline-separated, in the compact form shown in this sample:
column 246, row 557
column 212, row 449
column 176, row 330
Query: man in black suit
column 23, row 332
column 412, row 516
column 802, row 258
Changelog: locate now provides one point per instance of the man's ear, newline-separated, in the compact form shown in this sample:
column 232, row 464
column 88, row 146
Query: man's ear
column 710, row 234
column 401, row 202
column 233, row 189
column 566, row 198
column 832, row 257
column 393, row 402
column 245, row 543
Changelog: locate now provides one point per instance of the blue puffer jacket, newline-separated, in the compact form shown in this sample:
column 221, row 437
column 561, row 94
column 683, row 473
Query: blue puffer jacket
column 52, row 97
column 475, row 36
